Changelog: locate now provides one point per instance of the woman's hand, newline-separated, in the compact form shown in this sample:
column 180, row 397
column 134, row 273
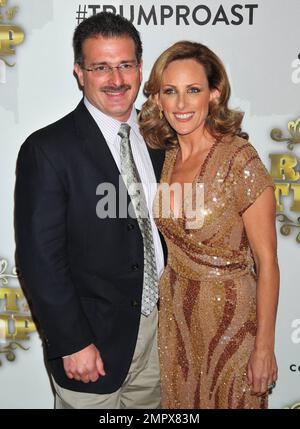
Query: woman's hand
column 262, row 371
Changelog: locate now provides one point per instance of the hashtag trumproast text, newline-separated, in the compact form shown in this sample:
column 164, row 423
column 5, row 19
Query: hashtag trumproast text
column 81, row 13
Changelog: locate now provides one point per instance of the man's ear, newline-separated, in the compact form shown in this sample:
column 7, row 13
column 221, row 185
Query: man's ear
column 79, row 73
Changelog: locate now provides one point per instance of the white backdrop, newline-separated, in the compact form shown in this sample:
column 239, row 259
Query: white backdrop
column 259, row 44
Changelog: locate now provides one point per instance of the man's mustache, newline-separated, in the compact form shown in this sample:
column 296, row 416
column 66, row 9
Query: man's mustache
column 115, row 89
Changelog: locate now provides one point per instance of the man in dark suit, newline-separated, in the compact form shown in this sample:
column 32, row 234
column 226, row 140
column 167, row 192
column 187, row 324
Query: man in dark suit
column 86, row 274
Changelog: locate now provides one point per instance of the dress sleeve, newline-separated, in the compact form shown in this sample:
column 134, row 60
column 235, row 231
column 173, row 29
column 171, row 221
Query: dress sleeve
column 250, row 177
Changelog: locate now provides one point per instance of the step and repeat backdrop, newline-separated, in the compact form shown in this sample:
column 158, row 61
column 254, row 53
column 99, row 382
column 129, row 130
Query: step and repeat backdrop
column 259, row 42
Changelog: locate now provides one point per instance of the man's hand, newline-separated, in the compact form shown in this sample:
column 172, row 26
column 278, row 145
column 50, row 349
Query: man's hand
column 85, row 365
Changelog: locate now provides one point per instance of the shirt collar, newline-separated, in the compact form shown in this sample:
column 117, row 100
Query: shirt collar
column 108, row 125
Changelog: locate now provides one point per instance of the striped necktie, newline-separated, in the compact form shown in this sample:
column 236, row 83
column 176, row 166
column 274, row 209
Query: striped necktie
column 134, row 186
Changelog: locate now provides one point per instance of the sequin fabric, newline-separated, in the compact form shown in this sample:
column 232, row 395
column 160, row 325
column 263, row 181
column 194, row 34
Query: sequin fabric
column 207, row 322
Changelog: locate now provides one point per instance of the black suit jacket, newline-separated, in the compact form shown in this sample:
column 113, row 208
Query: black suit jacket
column 82, row 275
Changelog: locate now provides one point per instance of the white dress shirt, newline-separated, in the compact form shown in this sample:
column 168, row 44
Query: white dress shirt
column 110, row 128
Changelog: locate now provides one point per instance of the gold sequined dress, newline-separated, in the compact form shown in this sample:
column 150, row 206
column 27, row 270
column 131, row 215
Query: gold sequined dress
column 207, row 321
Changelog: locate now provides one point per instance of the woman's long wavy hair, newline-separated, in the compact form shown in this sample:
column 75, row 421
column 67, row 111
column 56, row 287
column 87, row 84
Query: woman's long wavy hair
column 220, row 122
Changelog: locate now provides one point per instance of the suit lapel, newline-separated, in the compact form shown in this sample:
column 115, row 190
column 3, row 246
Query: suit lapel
column 94, row 144
column 157, row 158
column 97, row 149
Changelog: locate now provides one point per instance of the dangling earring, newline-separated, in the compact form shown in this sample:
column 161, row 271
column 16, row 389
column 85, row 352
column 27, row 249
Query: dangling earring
column 161, row 115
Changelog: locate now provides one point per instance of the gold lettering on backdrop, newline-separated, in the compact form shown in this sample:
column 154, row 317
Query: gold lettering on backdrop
column 282, row 167
column 16, row 323
column 296, row 206
column 10, row 37
column 17, row 327
column 11, row 297
column 285, row 171
column 282, row 190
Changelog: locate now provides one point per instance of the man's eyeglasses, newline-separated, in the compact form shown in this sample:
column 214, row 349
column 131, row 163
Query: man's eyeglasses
column 105, row 69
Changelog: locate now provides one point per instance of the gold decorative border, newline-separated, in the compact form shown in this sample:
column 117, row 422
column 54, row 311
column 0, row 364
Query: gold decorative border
column 7, row 63
column 293, row 129
column 9, row 351
column 3, row 276
column 293, row 407
column 288, row 225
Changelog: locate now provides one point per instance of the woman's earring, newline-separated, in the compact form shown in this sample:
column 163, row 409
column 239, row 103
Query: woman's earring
column 161, row 114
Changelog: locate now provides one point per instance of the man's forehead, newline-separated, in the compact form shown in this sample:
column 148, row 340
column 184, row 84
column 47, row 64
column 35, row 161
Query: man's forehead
column 101, row 49
column 99, row 39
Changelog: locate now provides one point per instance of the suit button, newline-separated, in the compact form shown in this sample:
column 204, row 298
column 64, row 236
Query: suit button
column 135, row 267
column 134, row 303
column 130, row 227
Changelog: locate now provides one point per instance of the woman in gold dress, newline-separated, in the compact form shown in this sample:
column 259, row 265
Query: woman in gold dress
column 219, row 291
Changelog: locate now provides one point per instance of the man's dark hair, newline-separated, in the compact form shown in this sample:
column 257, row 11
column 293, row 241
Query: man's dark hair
column 105, row 24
